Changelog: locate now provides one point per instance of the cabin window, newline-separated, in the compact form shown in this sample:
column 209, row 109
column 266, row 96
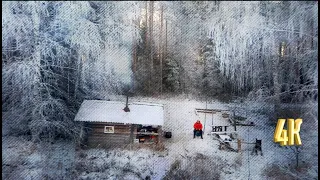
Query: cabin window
column 109, row 129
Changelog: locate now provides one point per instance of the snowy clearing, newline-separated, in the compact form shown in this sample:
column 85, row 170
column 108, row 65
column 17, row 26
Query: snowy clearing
column 62, row 160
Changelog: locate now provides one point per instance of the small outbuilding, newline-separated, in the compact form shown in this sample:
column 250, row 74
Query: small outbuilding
column 110, row 124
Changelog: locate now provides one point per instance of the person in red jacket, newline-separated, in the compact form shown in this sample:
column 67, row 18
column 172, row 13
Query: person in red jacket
column 197, row 128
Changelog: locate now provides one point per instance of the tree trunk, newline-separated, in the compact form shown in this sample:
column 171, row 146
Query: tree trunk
column 150, row 46
column 79, row 74
column 161, row 48
column 166, row 42
column 37, row 53
column 276, row 83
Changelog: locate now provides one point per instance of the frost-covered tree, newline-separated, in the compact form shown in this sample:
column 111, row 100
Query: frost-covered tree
column 256, row 43
column 21, row 78
column 186, row 37
column 171, row 75
column 54, row 55
column 212, row 80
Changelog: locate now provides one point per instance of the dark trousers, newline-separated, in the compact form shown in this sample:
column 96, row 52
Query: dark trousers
column 195, row 131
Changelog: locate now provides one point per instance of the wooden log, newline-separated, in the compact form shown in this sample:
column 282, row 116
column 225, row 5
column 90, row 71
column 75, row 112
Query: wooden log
column 210, row 112
column 241, row 124
column 223, row 132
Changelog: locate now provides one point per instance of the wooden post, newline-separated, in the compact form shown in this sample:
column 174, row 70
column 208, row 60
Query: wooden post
column 205, row 118
column 212, row 118
column 131, row 133
column 159, row 144
column 234, row 121
column 239, row 145
column 159, row 135
column 81, row 135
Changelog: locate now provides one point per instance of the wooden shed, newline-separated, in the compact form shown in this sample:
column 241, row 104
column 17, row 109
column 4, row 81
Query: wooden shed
column 109, row 124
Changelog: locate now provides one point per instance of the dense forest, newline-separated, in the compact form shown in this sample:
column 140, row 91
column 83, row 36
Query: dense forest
column 56, row 54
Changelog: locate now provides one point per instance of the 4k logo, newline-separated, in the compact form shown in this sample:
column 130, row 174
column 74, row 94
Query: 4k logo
column 288, row 137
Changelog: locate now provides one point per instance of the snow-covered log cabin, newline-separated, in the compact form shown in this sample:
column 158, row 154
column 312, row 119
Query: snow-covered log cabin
column 110, row 124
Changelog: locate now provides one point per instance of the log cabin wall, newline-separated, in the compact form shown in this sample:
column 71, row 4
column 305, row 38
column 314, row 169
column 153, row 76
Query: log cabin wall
column 97, row 138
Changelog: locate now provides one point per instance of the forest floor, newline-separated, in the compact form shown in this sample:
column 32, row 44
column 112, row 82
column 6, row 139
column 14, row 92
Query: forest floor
column 23, row 159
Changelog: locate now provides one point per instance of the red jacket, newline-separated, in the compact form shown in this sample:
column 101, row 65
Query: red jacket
column 197, row 126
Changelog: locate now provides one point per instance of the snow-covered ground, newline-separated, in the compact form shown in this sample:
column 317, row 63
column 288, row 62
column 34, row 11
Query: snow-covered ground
column 22, row 159
column 62, row 160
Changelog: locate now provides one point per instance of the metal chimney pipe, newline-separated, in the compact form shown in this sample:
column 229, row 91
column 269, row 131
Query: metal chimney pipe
column 126, row 109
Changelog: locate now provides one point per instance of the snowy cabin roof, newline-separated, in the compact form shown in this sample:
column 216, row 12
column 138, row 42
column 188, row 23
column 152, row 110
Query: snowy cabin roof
column 112, row 111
